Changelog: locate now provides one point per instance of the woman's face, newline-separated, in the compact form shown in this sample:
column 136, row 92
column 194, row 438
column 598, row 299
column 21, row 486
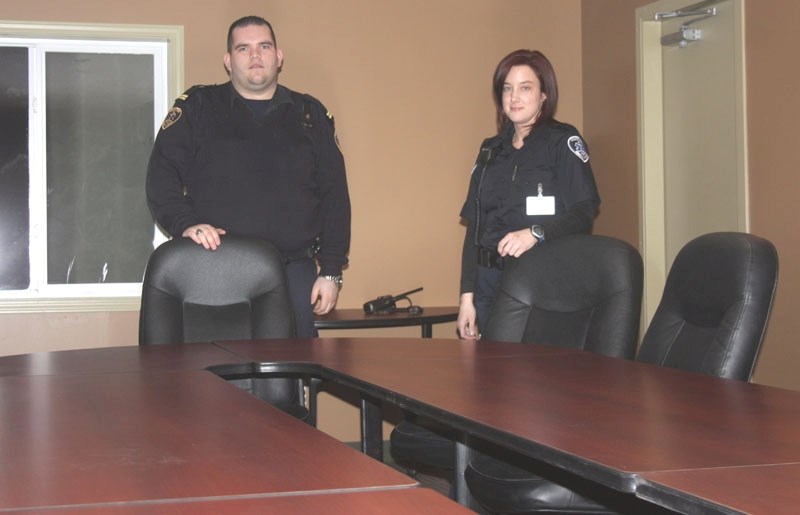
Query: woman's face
column 522, row 96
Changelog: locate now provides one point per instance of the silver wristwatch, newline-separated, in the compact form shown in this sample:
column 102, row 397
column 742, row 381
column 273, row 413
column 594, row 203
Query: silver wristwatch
column 538, row 232
column 335, row 279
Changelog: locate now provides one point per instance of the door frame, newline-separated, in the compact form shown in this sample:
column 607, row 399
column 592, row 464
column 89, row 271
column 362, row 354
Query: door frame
column 650, row 141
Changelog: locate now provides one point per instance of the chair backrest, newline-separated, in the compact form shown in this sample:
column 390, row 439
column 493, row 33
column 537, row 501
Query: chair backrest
column 580, row 291
column 237, row 291
column 716, row 303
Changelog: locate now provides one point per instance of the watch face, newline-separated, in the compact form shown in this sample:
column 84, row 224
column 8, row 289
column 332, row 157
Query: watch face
column 537, row 231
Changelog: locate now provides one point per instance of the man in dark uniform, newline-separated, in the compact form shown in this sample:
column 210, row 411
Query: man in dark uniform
column 251, row 157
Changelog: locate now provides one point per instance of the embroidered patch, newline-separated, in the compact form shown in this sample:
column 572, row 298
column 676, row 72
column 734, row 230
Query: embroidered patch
column 173, row 116
column 575, row 144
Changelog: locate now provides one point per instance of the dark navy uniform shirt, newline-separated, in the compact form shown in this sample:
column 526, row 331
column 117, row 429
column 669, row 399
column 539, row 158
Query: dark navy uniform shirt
column 277, row 176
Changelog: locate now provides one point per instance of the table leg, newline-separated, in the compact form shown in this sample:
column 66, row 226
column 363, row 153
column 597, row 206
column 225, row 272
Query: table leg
column 427, row 330
column 371, row 428
column 463, row 456
column 314, row 387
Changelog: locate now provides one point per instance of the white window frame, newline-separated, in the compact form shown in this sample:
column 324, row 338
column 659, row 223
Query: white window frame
column 164, row 41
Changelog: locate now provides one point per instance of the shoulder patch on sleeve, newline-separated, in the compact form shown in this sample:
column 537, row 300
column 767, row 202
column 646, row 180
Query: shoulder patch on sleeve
column 173, row 116
column 577, row 147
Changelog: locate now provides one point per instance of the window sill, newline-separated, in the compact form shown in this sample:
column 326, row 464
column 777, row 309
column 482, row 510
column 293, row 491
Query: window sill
column 75, row 305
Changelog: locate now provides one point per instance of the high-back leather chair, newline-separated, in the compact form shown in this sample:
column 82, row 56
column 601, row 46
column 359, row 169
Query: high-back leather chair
column 579, row 291
column 714, row 310
column 711, row 319
column 236, row 292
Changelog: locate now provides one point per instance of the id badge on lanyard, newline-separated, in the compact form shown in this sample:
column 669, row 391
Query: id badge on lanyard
column 540, row 205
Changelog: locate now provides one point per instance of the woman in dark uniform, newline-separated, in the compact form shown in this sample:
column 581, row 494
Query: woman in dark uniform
column 532, row 183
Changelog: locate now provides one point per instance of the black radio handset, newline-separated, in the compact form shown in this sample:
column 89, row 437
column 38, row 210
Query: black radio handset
column 386, row 302
column 485, row 155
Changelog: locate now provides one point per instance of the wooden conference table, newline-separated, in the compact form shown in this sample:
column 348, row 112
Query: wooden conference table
column 157, row 426
column 149, row 430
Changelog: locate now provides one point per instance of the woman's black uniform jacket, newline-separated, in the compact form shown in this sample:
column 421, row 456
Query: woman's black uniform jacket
column 555, row 156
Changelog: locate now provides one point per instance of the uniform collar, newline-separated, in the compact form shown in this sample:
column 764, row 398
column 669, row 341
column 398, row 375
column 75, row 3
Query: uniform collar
column 280, row 97
column 508, row 132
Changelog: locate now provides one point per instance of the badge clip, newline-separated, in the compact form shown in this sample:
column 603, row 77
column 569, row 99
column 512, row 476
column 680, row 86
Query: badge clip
column 540, row 204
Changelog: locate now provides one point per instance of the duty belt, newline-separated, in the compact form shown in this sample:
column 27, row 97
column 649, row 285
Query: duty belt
column 296, row 255
column 489, row 258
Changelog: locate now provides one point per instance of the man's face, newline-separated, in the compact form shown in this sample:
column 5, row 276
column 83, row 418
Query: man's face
column 254, row 62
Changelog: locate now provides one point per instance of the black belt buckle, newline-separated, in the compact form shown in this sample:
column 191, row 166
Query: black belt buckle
column 307, row 253
column 490, row 258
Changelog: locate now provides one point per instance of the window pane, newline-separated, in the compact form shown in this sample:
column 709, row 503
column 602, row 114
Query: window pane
column 14, row 221
column 99, row 136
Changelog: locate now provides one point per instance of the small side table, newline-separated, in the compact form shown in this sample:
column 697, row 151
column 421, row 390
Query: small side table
column 357, row 319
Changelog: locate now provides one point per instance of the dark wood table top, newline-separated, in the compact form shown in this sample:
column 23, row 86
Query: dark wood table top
column 191, row 356
column 416, row 501
column 333, row 351
column 156, row 436
column 604, row 418
column 357, row 319
column 758, row 490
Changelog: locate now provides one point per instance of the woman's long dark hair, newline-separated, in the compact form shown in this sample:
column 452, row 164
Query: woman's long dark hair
column 544, row 72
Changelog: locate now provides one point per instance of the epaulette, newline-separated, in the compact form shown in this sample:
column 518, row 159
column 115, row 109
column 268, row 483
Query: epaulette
column 303, row 102
column 189, row 92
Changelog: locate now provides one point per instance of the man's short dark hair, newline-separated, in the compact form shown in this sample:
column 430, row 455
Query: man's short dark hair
column 246, row 22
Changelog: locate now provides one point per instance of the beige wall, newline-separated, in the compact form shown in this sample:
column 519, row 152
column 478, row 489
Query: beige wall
column 409, row 85
column 773, row 83
column 609, row 93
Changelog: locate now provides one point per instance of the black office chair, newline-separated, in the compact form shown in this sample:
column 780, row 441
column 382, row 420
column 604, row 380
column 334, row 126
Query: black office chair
column 580, row 291
column 236, row 292
column 711, row 319
column 715, row 307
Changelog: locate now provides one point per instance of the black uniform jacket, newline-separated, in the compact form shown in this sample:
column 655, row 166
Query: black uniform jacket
column 280, row 177
column 554, row 156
